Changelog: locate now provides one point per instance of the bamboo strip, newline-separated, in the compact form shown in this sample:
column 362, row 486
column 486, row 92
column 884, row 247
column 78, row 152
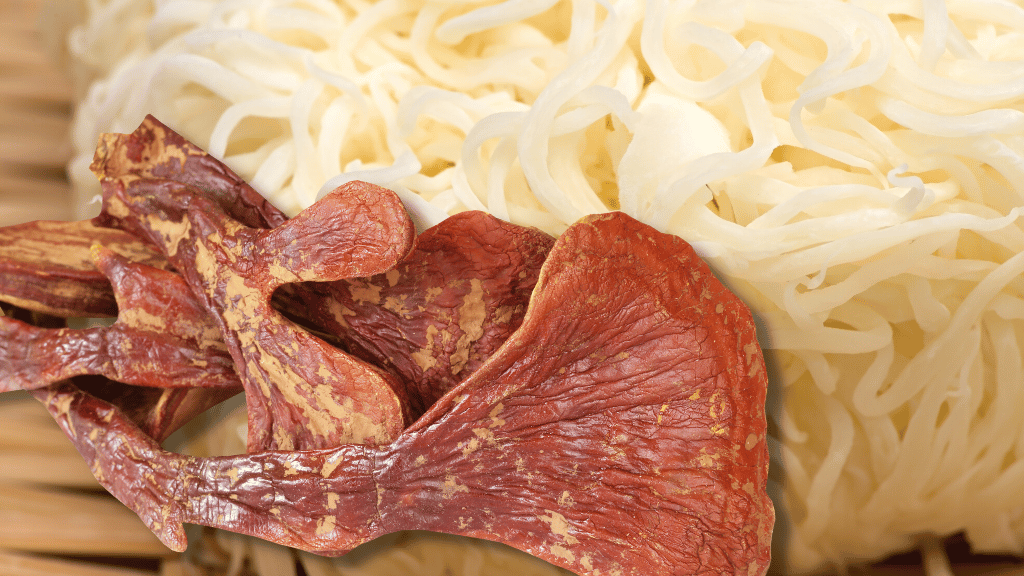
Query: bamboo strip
column 27, row 435
column 14, row 27
column 15, row 180
column 29, row 211
column 45, row 86
column 960, row 569
column 21, row 10
column 11, row 25
column 35, row 467
column 317, row 565
column 20, row 564
column 990, row 570
column 178, row 568
column 39, row 121
column 50, row 202
column 272, row 559
column 17, row 19
column 21, row 404
column 33, row 148
column 16, row 185
column 19, row 50
column 234, row 545
column 39, row 520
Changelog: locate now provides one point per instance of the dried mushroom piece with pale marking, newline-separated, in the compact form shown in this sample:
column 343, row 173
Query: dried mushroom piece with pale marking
column 119, row 454
column 301, row 392
column 431, row 320
column 158, row 412
column 133, row 467
column 620, row 430
column 441, row 312
column 46, row 267
column 162, row 338
column 162, row 361
column 622, row 426
column 154, row 151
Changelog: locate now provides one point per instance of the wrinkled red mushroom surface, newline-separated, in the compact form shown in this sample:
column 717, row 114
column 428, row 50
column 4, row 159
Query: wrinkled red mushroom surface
column 162, row 338
column 301, row 393
column 438, row 314
column 47, row 267
column 603, row 411
column 620, row 428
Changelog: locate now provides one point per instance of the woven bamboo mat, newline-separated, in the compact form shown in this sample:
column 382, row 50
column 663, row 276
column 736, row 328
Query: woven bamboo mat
column 35, row 109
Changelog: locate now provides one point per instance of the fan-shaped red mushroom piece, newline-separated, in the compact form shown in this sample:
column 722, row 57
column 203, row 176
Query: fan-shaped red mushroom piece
column 431, row 320
column 439, row 314
column 620, row 430
column 301, row 392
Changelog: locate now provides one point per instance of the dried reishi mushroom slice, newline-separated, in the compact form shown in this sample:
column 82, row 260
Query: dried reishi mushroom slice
column 162, row 338
column 46, row 267
column 133, row 467
column 625, row 418
column 431, row 340
column 154, row 151
column 163, row 341
column 301, row 392
column 438, row 315
column 158, row 412
column 93, row 426
column 620, row 430
column 155, row 160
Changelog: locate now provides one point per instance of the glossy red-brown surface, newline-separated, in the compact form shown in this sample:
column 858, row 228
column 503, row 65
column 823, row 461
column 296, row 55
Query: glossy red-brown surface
column 154, row 151
column 47, row 267
column 430, row 321
column 162, row 361
column 439, row 314
column 162, row 338
column 620, row 429
column 301, row 392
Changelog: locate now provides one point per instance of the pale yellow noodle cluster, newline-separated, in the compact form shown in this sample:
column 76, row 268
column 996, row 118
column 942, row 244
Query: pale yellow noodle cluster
column 854, row 171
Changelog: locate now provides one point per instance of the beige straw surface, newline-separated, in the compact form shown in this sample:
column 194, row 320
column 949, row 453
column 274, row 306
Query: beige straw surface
column 18, row 564
column 35, row 110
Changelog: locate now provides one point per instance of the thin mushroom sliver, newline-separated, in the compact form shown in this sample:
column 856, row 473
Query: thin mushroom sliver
column 620, row 429
column 47, row 266
column 162, row 338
